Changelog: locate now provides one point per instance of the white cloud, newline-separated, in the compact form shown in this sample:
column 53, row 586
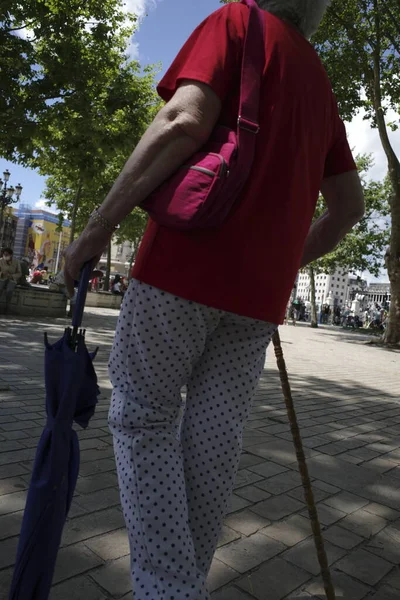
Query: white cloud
column 25, row 34
column 133, row 50
column 364, row 139
column 41, row 205
column 139, row 7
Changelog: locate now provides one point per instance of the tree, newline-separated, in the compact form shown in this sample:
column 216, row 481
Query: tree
column 90, row 144
column 364, row 247
column 74, row 104
column 132, row 229
column 87, row 137
column 108, row 269
column 51, row 51
column 314, row 313
column 359, row 42
column 102, row 103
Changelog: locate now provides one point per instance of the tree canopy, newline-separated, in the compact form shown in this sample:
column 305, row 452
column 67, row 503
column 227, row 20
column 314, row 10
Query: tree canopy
column 51, row 51
column 74, row 105
column 363, row 249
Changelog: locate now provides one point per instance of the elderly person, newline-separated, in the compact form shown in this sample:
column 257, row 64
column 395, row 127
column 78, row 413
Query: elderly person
column 185, row 320
column 10, row 274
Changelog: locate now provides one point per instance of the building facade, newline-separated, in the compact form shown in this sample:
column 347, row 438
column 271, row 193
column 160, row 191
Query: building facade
column 121, row 256
column 41, row 237
column 329, row 288
column 379, row 293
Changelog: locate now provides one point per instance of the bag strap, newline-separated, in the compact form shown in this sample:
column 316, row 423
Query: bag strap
column 250, row 90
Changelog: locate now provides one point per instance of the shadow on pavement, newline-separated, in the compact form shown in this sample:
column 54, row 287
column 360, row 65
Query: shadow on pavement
column 351, row 435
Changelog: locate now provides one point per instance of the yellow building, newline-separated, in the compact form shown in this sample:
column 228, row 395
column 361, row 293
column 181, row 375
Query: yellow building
column 40, row 238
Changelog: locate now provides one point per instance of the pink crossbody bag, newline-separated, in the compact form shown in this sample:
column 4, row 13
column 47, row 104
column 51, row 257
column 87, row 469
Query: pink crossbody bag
column 203, row 191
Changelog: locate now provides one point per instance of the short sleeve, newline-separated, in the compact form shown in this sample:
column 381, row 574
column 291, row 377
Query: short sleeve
column 340, row 158
column 212, row 54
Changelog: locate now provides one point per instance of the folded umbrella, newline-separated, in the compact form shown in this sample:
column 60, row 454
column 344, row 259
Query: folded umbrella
column 71, row 395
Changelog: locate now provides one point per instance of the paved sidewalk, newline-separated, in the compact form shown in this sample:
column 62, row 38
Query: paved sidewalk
column 347, row 399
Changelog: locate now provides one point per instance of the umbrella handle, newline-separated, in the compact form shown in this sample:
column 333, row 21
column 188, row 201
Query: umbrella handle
column 81, row 297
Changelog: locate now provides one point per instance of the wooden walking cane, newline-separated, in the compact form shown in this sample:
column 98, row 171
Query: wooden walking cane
column 305, row 477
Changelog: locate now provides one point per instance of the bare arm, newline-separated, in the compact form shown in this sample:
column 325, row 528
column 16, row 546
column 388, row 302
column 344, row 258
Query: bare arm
column 345, row 200
column 178, row 131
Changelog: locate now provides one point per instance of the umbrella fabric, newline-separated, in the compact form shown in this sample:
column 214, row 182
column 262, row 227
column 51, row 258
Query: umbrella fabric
column 71, row 395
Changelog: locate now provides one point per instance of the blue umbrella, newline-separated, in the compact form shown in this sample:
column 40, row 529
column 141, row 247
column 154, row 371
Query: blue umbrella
column 71, row 395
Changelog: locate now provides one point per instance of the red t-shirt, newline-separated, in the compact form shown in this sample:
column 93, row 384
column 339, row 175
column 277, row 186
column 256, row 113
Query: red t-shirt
column 249, row 264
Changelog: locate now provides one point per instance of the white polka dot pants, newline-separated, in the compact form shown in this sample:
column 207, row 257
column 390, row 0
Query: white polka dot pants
column 176, row 473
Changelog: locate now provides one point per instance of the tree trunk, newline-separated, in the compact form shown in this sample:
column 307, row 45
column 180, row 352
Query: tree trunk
column 75, row 212
column 136, row 246
column 314, row 316
column 130, row 266
column 392, row 334
column 133, row 258
column 108, row 269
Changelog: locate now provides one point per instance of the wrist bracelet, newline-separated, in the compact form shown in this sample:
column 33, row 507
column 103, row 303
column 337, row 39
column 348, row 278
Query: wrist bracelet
column 98, row 218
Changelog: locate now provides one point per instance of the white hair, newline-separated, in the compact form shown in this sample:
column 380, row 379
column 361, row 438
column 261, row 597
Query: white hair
column 306, row 15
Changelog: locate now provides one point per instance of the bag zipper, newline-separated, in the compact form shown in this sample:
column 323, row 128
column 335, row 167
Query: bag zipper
column 202, row 170
column 223, row 171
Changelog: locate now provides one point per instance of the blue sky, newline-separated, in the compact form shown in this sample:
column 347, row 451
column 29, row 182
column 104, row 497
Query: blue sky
column 162, row 32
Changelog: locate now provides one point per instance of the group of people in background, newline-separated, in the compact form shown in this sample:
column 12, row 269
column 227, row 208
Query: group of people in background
column 15, row 272
column 373, row 317
column 118, row 284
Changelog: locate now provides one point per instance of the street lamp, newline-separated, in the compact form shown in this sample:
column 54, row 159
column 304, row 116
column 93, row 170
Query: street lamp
column 8, row 195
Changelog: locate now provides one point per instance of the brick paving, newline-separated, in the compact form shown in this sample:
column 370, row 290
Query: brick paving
column 347, row 399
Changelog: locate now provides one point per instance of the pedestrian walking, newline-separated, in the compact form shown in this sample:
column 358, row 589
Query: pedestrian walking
column 184, row 320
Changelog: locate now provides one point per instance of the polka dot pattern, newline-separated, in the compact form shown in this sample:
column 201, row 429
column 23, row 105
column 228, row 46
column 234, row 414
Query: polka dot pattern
column 176, row 468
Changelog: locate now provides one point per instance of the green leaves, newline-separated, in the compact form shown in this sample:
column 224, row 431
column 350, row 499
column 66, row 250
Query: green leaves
column 363, row 248
column 133, row 228
column 353, row 37
column 50, row 51
column 73, row 105
column 359, row 42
